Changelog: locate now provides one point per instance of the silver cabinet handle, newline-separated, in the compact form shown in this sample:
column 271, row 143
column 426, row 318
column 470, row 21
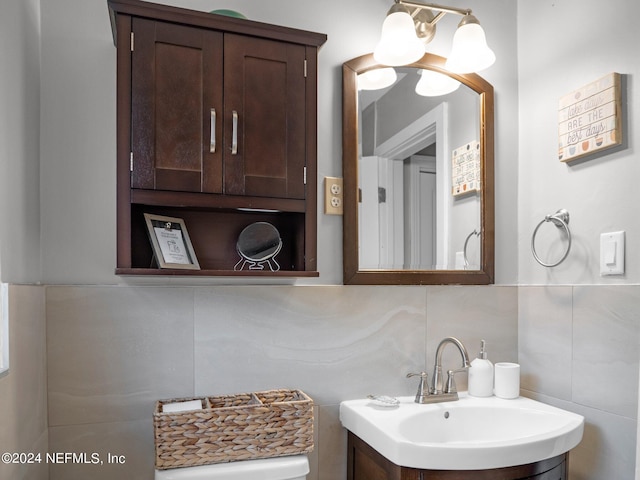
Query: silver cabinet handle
column 212, row 143
column 234, row 134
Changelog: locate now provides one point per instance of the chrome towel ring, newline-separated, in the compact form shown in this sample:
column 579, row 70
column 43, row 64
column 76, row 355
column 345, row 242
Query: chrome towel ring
column 561, row 220
column 464, row 250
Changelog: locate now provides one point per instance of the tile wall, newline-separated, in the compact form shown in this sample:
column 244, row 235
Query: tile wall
column 579, row 350
column 113, row 351
column 23, row 390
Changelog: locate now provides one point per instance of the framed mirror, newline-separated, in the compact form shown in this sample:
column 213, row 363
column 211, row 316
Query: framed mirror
column 418, row 168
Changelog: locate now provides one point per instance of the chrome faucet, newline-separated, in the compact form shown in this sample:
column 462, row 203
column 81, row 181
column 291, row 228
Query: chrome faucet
column 436, row 393
column 436, row 386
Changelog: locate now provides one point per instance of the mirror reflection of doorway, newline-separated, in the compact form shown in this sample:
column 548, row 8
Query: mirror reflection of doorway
column 421, row 211
column 427, row 220
column 404, row 205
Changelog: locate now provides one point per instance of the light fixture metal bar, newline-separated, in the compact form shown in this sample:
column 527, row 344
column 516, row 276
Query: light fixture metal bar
column 433, row 21
column 439, row 8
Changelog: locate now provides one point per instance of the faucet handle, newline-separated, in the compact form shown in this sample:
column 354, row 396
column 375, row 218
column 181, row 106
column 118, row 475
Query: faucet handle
column 423, row 390
column 451, row 383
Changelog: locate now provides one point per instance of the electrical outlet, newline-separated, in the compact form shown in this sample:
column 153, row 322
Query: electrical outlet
column 333, row 196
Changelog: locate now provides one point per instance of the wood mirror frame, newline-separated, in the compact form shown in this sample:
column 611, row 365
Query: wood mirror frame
column 352, row 274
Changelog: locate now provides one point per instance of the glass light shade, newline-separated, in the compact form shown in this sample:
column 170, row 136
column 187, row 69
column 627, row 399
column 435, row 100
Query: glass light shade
column 399, row 44
column 470, row 52
column 434, row 84
column 377, row 79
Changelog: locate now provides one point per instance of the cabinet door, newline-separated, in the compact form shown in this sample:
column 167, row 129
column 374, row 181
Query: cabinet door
column 176, row 107
column 265, row 99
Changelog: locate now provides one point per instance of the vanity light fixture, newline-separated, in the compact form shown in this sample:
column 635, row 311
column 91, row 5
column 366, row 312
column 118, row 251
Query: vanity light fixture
column 399, row 43
column 409, row 26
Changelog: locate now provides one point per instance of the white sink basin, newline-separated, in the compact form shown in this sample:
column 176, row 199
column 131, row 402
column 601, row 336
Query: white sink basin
column 468, row 434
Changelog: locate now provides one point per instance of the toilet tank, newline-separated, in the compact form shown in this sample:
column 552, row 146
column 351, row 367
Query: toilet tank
column 295, row 467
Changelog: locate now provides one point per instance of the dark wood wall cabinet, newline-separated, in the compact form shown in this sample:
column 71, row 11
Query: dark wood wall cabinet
column 365, row 463
column 216, row 125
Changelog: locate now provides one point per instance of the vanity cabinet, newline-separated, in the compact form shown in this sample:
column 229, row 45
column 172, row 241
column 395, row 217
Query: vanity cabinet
column 365, row 463
column 216, row 126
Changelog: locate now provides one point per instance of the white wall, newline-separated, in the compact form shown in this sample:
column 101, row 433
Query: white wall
column 561, row 47
column 78, row 123
column 19, row 141
column 23, row 396
column 77, row 149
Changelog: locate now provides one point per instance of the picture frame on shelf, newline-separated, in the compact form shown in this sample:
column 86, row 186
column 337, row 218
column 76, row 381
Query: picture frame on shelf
column 171, row 244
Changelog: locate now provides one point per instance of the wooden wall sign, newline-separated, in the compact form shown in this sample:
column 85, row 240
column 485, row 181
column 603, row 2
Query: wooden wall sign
column 590, row 119
column 465, row 169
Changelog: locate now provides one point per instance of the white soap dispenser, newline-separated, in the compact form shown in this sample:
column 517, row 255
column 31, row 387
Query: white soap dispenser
column 481, row 375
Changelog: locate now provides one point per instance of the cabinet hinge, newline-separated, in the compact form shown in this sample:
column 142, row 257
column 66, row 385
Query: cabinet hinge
column 131, row 162
column 304, row 175
column 305, row 68
column 132, row 35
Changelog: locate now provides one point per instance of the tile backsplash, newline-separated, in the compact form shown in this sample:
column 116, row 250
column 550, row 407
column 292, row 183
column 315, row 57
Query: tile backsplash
column 23, row 389
column 112, row 351
column 578, row 348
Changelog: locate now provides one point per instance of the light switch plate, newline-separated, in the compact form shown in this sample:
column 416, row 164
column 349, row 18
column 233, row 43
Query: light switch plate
column 612, row 253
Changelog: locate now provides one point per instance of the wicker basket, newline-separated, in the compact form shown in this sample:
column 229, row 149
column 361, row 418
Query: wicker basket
column 245, row 426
